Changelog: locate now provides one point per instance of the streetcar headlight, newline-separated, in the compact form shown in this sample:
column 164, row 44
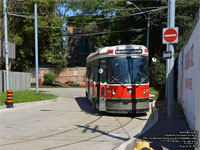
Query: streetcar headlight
column 130, row 91
column 113, row 92
column 129, row 88
column 144, row 91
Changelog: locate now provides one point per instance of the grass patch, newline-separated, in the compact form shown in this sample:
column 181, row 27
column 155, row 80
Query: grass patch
column 151, row 89
column 48, row 86
column 26, row 96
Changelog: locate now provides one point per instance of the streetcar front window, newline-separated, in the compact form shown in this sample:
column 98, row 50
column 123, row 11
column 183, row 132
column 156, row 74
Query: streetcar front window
column 127, row 69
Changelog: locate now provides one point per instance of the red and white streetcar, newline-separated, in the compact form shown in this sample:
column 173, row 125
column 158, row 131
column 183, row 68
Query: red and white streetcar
column 117, row 79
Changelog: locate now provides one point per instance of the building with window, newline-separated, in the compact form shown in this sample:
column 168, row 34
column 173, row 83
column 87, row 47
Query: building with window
column 77, row 46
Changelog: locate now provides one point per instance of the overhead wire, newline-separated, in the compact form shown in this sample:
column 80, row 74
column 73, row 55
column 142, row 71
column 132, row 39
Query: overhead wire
column 49, row 27
column 102, row 19
column 18, row 15
column 99, row 19
column 139, row 13
column 78, row 18
column 99, row 33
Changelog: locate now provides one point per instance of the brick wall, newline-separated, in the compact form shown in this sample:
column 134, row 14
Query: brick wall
column 68, row 74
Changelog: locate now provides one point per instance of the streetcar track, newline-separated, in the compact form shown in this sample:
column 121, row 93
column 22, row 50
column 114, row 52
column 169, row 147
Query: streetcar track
column 75, row 128
column 122, row 127
column 52, row 134
column 102, row 133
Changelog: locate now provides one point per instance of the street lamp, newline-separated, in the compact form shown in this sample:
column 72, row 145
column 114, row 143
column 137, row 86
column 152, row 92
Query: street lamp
column 148, row 21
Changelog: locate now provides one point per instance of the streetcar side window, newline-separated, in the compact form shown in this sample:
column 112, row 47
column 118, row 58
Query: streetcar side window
column 91, row 74
column 103, row 76
column 96, row 74
column 88, row 72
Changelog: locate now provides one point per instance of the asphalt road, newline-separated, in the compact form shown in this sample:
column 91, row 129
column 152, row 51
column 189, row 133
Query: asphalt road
column 69, row 123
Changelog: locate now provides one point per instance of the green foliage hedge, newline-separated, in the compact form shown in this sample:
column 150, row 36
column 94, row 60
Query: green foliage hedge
column 157, row 76
column 49, row 78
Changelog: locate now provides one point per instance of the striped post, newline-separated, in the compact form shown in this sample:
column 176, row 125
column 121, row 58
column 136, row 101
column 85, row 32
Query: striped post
column 40, row 82
column 9, row 102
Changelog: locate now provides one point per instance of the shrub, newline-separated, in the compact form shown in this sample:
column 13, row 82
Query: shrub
column 157, row 76
column 49, row 78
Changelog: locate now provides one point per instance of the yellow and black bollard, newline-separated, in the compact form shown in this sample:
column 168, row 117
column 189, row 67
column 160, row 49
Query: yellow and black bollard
column 143, row 145
column 9, row 101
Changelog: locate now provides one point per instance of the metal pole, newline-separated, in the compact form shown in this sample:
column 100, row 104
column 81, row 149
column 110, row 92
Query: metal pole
column 167, row 63
column 6, row 44
column 148, row 29
column 36, row 49
column 171, row 5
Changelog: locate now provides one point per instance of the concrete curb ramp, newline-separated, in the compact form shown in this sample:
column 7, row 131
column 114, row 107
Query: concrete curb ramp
column 129, row 145
column 31, row 103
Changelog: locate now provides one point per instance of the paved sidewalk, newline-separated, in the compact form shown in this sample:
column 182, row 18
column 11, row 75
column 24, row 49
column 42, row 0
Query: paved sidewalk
column 164, row 134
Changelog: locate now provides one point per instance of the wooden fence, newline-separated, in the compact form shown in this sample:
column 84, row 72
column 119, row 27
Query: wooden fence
column 19, row 81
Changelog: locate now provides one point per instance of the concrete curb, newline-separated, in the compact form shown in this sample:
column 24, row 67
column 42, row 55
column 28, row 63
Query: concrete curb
column 32, row 103
column 129, row 145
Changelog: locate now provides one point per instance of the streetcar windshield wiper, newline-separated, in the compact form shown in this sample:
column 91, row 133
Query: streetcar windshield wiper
column 143, row 79
column 118, row 81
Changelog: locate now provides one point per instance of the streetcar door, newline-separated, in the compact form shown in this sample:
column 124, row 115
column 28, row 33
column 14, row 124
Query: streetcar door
column 95, row 86
column 89, row 86
column 101, row 87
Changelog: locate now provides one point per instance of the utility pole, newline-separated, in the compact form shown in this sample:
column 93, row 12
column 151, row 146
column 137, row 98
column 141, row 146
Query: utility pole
column 6, row 44
column 171, row 7
column 148, row 29
column 167, row 62
column 36, row 49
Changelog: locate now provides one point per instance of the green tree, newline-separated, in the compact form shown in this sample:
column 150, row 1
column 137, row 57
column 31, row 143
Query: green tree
column 111, row 16
column 92, row 16
column 58, row 55
column 115, row 17
column 21, row 31
column 157, row 75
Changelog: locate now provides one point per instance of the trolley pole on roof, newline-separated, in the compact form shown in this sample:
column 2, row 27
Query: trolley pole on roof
column 171, row 7
column 148, row 21
column 6, row 44
column 36, row 49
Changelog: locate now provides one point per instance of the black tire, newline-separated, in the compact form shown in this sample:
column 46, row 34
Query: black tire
column 94, row 105
column 86, row 95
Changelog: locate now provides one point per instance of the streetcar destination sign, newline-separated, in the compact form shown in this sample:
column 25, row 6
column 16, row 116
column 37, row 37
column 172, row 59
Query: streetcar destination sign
column 129, row 51
column 170, row 35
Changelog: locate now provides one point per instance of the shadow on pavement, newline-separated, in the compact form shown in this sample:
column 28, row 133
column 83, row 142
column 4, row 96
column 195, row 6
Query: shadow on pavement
column 85, row 105
column 168, row 133
column 95, row 129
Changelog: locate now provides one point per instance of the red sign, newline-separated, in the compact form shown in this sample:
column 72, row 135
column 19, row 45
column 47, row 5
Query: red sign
column 170, row 35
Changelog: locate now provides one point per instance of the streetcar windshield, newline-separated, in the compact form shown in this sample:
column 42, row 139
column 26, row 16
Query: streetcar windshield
column 128, row 69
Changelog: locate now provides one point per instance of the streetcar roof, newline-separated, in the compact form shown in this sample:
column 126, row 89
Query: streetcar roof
column 109, row 51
